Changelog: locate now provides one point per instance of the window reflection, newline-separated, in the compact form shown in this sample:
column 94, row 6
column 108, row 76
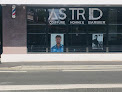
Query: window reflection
column 36, row 15
column 57, row 16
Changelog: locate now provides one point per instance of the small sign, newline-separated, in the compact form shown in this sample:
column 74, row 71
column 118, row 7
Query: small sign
column 57, row 42
column 97, row 41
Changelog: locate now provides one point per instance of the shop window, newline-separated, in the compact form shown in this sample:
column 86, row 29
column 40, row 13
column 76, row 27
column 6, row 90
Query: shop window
column 119, row 17
column 115, row 29
column 96, row 29
column 115, row 15
column 97, row 39
column 77, row 42
column 57, row 29
column 36, row 36
column 46, row 28
column 77, row 29
column 115, row 42
column 112, row 15
column 57, row 16
column 36, row 29
column 36, row 15
column 37, row 42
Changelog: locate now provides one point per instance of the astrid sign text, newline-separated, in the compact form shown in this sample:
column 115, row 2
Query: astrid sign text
column 77, row 16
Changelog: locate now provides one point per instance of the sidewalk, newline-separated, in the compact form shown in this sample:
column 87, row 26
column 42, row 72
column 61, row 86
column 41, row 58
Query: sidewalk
column 13, row 64
column 61, row 65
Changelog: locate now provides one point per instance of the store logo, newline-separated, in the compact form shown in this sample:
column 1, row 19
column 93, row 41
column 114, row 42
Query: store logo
column 57, row 16
column 91, row 14
column 54, row 16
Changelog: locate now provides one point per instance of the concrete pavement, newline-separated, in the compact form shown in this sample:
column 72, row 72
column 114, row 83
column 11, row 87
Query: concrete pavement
column 62, row 66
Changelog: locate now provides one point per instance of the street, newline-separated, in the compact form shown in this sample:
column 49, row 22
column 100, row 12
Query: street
column 66, row 77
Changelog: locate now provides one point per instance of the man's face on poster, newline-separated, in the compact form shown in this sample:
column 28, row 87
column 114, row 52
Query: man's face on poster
column 95, row 36
column 58, row 40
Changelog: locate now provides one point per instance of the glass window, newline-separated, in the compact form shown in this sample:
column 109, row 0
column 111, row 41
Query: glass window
column 115, row 29
column 112, row 14
column 77, row 42
column 115, row 15
column 77, row 29
column 36, row 15
column 36, row 29
column 57, row 16
column 97, row 38
column 37, row 42
column 57, row 29
column 96, row 29
column 119, row 19
column 77, row 38
column 115, row 42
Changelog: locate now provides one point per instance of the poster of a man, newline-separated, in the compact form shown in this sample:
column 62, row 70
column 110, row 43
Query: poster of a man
column 57, row 42
column 97, row 41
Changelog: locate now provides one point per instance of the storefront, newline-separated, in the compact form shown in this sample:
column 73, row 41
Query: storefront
column 83, row 29
column 62, row 33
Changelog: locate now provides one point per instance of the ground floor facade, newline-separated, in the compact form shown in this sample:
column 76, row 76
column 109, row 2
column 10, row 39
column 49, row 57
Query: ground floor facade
column 61, row 33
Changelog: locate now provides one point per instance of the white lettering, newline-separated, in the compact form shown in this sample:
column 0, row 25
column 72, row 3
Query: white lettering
column 82, row 14
column 51, row 15
column 62, row 13
column 91, row 13
column 73, row 14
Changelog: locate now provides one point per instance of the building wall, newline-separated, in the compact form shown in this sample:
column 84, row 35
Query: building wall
column 14, row 30
column 0, row 29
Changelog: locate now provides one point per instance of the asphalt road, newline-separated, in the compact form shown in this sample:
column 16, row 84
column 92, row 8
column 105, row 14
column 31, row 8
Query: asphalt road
column 55, row 77
column 73, row 90
column 61, row 81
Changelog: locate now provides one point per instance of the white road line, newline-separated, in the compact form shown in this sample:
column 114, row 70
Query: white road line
column 89, row 70
column 63, row 67
column 57, row 86
column 12, row 71
column 65, row 70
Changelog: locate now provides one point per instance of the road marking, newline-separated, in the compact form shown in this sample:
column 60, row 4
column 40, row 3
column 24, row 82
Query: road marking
column 57, row 86
column 12, row 71
column 3, row 83
column 89, row 70
column 62, row 67
column 65, row 68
